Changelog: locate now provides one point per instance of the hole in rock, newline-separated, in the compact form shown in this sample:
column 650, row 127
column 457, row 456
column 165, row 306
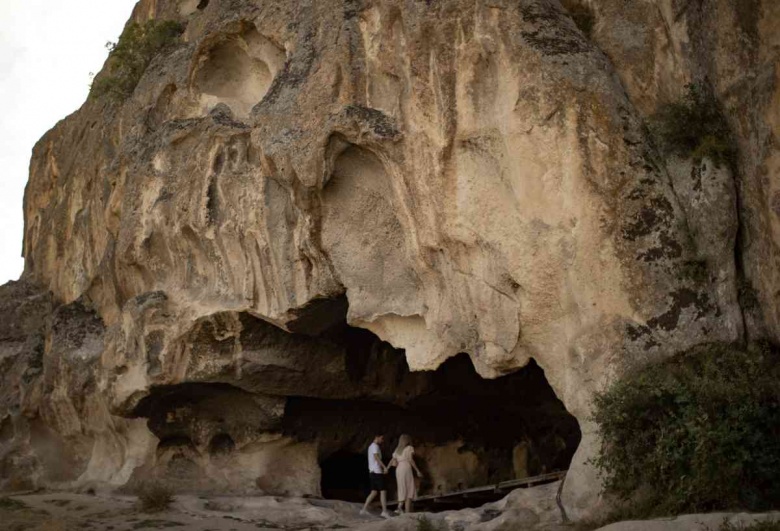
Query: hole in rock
column 6, row 429
column 203, row 4
column 298, row 412
column 221, row 444
column 238, row 71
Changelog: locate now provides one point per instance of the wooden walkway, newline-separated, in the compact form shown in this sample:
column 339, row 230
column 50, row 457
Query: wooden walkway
column 476, row 496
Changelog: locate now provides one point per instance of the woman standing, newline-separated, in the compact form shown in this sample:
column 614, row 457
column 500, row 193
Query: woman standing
column 403, row 458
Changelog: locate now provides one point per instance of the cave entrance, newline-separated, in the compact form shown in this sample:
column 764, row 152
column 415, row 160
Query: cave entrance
column 318, row 393
column 467, row 431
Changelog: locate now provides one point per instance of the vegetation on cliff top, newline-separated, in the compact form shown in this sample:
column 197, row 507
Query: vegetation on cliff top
column 694, row 126
column 699, row 432
column 131, row 55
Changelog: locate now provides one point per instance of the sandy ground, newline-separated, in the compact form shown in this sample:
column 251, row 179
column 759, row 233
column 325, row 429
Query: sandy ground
column 521, row 510
column 69, row 512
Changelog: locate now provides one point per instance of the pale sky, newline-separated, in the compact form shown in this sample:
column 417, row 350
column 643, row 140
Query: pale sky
column 47, row 50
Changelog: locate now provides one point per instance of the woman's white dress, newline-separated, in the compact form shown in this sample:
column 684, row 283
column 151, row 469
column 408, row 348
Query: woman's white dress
column 404, row 474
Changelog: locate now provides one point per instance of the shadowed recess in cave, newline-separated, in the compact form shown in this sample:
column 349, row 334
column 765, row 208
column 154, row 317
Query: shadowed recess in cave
column 344, row 476
column 298, row 416
column 221, row 444
column 468, row 431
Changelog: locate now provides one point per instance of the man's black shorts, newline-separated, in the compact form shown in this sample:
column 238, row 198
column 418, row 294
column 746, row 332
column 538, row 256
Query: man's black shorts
column 377, row 481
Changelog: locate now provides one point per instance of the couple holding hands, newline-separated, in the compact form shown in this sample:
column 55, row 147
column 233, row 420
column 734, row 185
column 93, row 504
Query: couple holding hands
column 403, row 461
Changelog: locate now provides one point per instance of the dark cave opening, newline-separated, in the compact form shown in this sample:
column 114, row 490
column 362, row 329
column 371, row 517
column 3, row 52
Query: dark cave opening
column 174, row 442
column 344, row 477
column 329, row 389
column 513, row 427
column 221, row 444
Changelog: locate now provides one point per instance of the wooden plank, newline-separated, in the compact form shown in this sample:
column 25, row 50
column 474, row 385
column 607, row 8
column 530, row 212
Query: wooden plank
column 531, row 480
column 492, row 489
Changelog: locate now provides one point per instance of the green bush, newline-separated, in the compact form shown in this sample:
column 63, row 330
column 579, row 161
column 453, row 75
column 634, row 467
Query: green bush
column 699, row 432
column 131, row 55
column 694, row 126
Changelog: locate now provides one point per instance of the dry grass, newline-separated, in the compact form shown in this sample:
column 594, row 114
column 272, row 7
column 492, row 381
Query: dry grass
column 154, row 497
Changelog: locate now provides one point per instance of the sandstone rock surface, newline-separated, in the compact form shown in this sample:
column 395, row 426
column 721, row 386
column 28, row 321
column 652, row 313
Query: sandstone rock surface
column 712, row 521
column 303, row 200
column 526, row 509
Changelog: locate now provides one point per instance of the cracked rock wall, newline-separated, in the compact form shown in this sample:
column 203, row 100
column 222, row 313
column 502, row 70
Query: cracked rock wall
column 467, row 176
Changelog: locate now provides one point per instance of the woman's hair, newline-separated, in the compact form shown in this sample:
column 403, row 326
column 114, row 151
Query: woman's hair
column 403, row 442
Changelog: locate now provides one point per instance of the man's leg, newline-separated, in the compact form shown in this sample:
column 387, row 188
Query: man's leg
column 368, row 501
column 383, row 497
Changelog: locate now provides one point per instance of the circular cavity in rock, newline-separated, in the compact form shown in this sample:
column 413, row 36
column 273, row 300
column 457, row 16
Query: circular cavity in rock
column 237, row 71
column 221, row 444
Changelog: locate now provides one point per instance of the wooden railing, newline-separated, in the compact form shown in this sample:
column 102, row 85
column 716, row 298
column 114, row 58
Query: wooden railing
column 496, row 489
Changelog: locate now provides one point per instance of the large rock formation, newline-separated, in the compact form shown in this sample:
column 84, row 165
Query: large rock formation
column 452, row 176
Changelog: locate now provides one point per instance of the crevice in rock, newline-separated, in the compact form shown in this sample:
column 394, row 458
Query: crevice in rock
column 6, row 429
column 212, row 201
column 747, row 298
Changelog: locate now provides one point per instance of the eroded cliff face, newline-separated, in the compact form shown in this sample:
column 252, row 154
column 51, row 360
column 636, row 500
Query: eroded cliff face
column 448, row 176
column 255, row 409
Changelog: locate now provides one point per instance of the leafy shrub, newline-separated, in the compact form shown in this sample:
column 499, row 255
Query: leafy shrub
column 694, row 127
column 699, row 432
column 131, row 55
column 154, row 497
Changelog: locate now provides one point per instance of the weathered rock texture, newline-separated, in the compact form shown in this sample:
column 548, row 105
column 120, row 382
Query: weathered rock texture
column 454, row 176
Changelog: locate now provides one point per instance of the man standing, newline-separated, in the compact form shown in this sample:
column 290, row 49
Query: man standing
column 376, row 473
